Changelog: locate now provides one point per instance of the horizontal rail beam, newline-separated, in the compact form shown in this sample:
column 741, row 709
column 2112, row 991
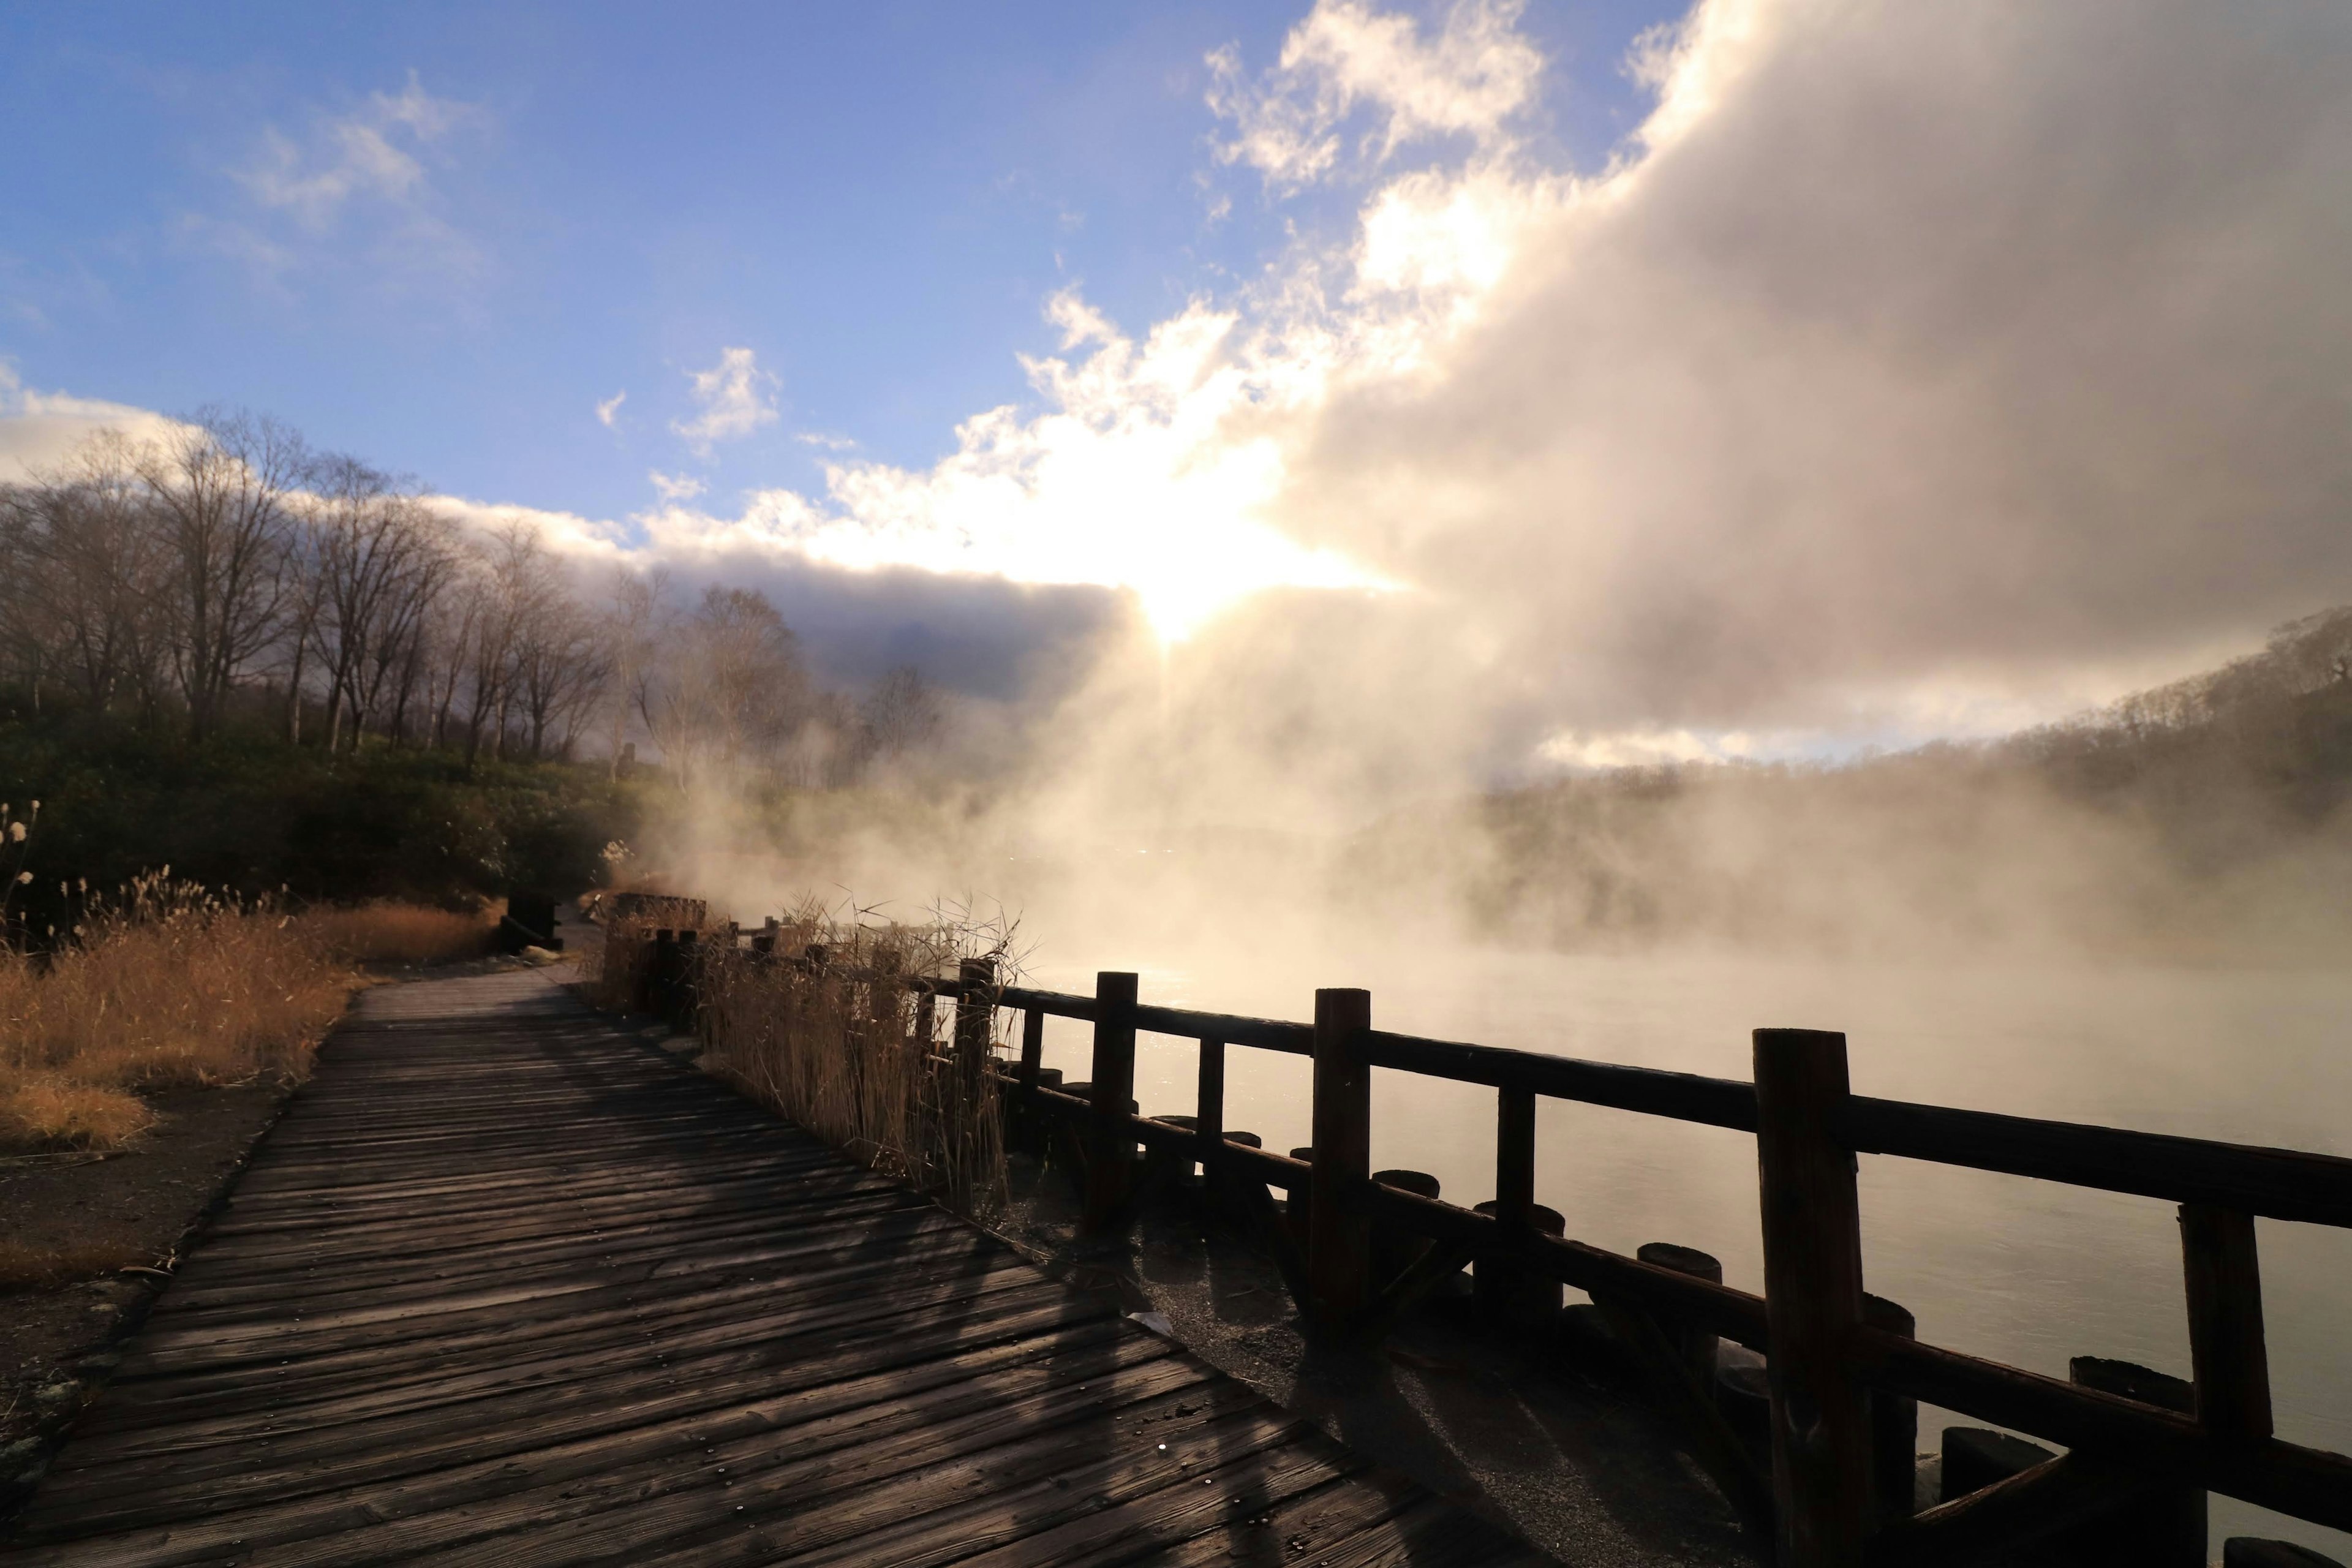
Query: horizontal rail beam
column 1265, row 1034
column 1059, row 1004
column 2282, row 1184
column 2279, row 1184
column 1686, row 1097
column 2309, row 1483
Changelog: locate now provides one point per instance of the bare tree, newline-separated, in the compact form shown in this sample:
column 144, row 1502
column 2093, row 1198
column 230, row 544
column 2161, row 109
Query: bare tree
column 224, row 489
column 520, row 588
column 89, row 578
column 560, row 668
column 381, row 557
column 730, row 689
column 225, row 557
column 635, row 615
column 903, row 713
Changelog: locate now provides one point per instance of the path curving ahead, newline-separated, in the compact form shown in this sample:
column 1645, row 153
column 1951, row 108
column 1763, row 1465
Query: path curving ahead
column 508, row 1285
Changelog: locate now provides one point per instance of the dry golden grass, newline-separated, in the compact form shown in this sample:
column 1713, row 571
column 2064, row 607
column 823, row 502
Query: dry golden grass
column 401, row 933
column 171, row 985
column 843, row 1046
column 53, row 1111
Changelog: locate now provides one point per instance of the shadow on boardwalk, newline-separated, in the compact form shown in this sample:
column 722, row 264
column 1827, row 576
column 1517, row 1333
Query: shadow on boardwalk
column 506, row 1285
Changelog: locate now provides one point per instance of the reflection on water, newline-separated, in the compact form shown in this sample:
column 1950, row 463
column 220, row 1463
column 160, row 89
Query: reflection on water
column 2026, row 1272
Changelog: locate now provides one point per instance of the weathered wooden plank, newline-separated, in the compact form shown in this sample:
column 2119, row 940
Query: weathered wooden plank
column 663, row 1321
column 1066, row 1426
column 242, row 1474
column 543, row 1489
column 507, row 1286
column 376, row 1263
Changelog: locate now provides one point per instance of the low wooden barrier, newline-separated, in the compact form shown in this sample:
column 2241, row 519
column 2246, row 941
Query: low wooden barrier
column 1827, row 1351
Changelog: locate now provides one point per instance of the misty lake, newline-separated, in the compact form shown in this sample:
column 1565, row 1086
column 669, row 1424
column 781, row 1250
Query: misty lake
column 2022, row 1271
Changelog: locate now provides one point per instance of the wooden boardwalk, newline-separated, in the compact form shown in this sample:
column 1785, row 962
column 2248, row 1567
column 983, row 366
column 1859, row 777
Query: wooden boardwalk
column 507, row 1286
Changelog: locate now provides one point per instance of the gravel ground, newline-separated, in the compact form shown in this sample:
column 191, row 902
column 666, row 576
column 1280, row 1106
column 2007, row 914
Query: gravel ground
column 138, row 1204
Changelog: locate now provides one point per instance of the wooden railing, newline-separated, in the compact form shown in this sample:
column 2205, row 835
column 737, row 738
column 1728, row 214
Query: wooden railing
column 1827, row 1352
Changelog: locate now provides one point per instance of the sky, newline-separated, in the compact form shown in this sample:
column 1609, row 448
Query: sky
column 446, row 236
column 1480, row 385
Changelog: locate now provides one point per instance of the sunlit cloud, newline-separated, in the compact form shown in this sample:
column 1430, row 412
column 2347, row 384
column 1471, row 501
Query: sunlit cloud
column 41, row 430
column 736, row 398
column 1470, row 78
column 674, row 489
column 1898, row 376
column 608, row 409
column 1646, row 749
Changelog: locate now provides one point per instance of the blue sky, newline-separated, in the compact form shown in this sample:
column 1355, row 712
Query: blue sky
column 876, row 199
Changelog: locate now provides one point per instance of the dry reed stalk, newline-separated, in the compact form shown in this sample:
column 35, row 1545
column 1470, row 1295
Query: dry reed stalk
column 831, row 1030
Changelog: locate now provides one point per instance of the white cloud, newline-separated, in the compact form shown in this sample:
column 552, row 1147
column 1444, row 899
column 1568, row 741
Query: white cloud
column 367, row 177
column 608, row 409
column 1909, row 341
column 736, row 398
column 1644, row 748
column 1915, row 369
column 584, row 541
column 824, row 440
column 39, row 430
column 675, row 487
column 355, row 155
column 1472, row 79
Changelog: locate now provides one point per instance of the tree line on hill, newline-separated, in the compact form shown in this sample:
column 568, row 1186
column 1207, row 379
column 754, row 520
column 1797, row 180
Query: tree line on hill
column 223, row 572
column 2209, row 818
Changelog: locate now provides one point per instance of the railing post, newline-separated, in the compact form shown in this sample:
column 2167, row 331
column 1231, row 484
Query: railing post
column 1033, row 1049
column 975, row 1010
column 1338, row 1233
column 1504, row 1283
column 1209, row 1107
column 975, row 1003
column 1110, row 1169
column 1812, row 1298
column 1031, row 1123
column 685, row 997
column 2226, row 1352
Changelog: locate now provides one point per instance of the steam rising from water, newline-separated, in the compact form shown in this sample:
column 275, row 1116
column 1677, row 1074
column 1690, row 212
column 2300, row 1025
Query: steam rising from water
column 1912, row 370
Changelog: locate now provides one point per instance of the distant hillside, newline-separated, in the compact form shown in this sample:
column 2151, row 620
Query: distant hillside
column 2207, row 819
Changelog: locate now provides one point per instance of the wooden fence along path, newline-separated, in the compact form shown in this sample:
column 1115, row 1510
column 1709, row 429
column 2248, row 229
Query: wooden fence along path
column 507, row 1286
column 1844, row 1369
